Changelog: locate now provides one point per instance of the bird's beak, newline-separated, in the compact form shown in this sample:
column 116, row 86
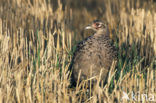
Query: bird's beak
column 88, row 27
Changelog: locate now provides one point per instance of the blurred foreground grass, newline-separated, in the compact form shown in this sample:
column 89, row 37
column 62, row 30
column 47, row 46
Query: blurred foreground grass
column 37, row 40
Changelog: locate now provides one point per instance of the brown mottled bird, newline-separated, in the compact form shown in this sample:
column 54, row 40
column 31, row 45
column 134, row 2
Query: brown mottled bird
column 93, row 54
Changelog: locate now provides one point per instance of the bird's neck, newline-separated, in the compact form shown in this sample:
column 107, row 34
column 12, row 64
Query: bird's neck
column 101, row 33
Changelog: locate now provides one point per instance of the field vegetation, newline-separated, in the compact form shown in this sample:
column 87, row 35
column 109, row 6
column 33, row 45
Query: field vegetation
column 38, row 37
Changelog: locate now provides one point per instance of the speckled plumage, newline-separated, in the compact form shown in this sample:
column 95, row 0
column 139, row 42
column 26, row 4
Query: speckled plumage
column 93, row 54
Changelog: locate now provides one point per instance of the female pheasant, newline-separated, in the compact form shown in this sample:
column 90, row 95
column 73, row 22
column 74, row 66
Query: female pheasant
column 93, row 54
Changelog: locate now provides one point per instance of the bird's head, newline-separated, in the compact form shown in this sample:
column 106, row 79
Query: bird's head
column 98, row 26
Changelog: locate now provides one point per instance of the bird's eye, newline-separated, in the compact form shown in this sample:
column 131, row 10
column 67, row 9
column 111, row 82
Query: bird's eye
column 97, row 24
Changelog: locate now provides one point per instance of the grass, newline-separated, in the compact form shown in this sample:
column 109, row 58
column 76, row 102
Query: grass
column 37, row 40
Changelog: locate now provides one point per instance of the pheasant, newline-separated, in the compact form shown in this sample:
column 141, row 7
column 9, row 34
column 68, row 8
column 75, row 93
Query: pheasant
column 94, row 53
